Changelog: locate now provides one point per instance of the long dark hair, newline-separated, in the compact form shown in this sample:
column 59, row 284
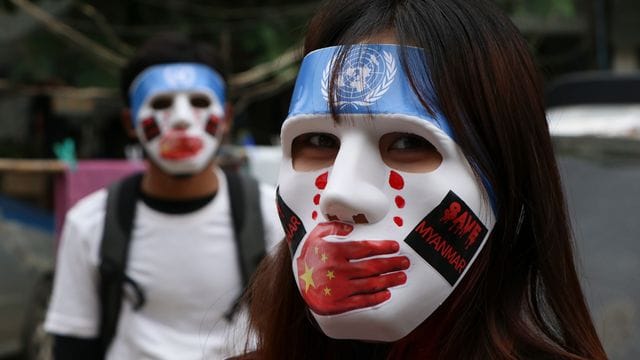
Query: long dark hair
column 521, row 297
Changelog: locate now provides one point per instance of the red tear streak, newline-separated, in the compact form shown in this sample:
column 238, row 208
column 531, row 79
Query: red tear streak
column 400, row 202
column 395, row 180
column 316, row 199
column 321, row 181
column 398, row 220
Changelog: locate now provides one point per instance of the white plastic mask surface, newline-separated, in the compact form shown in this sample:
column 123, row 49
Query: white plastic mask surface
column 375, row 249
column 178, row 119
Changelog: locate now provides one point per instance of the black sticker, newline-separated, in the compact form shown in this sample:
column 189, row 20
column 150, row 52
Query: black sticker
column 293, row 228
column 448, row 237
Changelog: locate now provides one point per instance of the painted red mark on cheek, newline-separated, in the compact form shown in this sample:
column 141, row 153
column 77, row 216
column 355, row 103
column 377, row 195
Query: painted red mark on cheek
column 314, row 215
column 396, row 181
column 400, row 202
column 316, row 199
column 398, row 220
column 321, row 181
column 150, row 128
column 212, row 125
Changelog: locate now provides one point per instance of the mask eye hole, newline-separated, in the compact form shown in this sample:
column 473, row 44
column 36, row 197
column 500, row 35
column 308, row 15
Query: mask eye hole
column 161, row 102
column 409, row 152
column 313, row 151
column 200, row 101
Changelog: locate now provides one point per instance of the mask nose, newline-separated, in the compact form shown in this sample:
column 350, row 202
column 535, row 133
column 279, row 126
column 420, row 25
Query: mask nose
column 182, row 116
column 353, row 192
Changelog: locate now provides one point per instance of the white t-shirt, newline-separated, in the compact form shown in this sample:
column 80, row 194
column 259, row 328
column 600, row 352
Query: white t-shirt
column 185, row 263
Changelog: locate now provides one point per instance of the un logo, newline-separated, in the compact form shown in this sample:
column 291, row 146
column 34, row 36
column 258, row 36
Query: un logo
column 365, row 77
column 180, row 76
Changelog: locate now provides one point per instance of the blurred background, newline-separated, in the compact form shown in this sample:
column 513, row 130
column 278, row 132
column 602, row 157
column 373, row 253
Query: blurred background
column 61, row 133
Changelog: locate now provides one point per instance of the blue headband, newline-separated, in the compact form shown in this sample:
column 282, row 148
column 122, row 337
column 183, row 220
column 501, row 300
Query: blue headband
column 371, row 81
column 174, row 77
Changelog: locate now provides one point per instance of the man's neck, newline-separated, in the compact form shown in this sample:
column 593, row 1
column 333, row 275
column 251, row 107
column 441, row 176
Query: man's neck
column 158, row 183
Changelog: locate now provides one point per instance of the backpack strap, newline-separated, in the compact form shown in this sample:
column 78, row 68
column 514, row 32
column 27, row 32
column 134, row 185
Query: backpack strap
column 114, row 250
column 246, row 214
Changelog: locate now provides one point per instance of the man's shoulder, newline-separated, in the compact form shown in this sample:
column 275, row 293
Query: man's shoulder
column 83, row 223
column 88, row 208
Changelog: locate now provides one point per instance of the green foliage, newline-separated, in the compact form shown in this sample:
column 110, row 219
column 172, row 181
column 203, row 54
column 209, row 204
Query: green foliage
column 247, row 32
column 257, row 31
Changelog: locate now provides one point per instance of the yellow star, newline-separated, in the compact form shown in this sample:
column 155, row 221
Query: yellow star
column 324, row 258
column 331, row 275
column 307, row 277
column 327, row 291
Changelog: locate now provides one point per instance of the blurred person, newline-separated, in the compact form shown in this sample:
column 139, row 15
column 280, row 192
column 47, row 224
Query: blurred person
column 170, row 290
column 420, row 196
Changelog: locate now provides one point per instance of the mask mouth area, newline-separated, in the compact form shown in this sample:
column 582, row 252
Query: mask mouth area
column 360, row 219
column 356, row 219
column 179, row 146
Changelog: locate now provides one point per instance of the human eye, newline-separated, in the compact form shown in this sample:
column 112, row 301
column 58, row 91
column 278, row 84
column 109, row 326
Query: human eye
column 409, row 152
column 161, row 102
column 200, row 101
column 407, row 142
column 322, row 140
column 314, row 151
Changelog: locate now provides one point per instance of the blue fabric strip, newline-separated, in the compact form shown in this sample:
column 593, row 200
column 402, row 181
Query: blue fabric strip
column 372, row 81
column 174, row 77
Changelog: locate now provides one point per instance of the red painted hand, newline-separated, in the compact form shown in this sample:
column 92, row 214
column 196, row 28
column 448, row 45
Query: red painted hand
column 336, row 277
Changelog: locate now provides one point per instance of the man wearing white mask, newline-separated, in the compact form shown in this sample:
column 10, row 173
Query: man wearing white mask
column 183, row 274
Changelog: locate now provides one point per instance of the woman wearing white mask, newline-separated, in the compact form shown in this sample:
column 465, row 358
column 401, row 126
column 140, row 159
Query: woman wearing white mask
column 420, row 197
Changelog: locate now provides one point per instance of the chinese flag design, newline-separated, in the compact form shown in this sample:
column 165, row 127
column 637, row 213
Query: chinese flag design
column 336, row 277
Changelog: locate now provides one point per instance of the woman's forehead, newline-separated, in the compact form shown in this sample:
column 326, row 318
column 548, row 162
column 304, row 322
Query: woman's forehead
column 386, row 36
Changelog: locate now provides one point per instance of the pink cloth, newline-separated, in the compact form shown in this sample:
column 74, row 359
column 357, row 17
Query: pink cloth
column 89, row 176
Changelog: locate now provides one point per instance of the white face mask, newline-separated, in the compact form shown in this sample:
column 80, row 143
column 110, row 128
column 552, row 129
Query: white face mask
column 375, row 249
column 179, row 113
